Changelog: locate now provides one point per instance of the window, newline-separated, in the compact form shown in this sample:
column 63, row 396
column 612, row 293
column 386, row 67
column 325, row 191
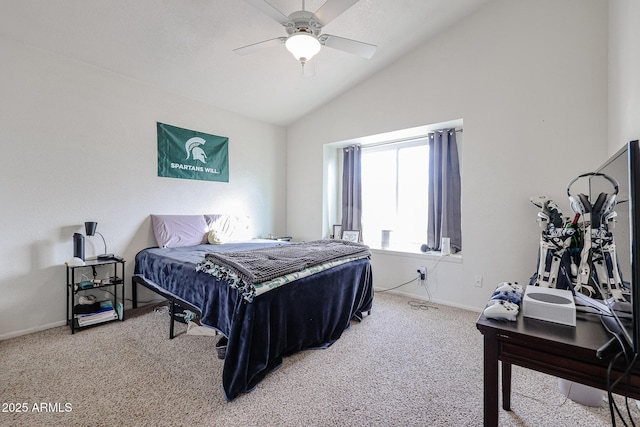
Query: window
column 395, row 186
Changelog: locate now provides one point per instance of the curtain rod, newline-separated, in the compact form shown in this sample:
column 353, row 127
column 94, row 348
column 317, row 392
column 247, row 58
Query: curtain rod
column 409, row 139
column 445, row 130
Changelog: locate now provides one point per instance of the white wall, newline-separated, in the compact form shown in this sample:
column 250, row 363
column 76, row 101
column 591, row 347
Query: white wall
column 529, row 79
column 80, row 144
column 624, row 72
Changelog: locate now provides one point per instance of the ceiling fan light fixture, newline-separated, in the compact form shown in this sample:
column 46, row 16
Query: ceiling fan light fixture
column 303, row 46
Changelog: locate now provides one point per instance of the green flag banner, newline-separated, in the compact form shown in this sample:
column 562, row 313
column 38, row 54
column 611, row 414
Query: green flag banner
column 187, row 154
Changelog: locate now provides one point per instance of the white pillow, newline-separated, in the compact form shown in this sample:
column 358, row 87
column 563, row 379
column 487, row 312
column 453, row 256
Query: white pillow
column 213, row 237
column 179, row 230
column 227, row 228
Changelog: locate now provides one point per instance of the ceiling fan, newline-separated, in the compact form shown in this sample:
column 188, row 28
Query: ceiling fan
column 304, row 38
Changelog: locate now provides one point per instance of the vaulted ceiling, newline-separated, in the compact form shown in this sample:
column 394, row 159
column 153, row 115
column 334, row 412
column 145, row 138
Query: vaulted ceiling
column 186, row 46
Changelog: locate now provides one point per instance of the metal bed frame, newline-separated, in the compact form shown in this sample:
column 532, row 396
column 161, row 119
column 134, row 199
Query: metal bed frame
column 174, row 301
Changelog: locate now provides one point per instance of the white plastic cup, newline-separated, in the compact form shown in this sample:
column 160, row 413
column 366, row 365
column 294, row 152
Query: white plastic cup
column 385, row 238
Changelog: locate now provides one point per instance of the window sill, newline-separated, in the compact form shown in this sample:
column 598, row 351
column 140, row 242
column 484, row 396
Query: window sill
column 434, row 255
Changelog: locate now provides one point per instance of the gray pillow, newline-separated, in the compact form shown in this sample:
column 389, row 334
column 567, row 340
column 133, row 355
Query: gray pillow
column 179, row 230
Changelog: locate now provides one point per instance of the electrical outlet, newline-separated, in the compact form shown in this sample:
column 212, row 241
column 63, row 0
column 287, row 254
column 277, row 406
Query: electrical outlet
column 478, row 282
column 423, row 273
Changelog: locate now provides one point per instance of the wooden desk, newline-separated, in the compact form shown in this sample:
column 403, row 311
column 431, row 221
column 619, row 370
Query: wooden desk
column 562, row 351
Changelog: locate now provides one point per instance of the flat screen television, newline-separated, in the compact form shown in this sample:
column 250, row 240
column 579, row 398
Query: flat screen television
column 624, row 167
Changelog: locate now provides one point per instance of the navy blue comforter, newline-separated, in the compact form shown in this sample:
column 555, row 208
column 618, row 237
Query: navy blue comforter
column 308, row 313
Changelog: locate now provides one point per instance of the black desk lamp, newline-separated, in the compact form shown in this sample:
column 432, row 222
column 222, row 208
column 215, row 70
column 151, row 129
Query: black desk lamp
column 90, row 228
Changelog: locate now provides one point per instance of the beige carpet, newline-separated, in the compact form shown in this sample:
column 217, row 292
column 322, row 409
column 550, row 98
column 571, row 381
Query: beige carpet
column 400, row 367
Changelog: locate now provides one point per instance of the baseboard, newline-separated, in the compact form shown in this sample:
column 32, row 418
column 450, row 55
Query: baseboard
column 31, row 330
column 128, row 306
column 14, row 334
column 435, row 301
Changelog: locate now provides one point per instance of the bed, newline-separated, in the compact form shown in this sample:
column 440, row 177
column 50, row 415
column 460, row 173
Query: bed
column 263, row 321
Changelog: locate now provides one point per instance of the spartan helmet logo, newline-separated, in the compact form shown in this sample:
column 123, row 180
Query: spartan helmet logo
column 193, row 148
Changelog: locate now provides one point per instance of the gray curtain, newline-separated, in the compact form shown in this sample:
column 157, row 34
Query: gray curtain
column 444, row 191
column 352, row 189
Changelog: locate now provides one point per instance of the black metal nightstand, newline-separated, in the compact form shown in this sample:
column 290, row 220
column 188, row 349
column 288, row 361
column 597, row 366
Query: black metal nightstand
column 100, row 312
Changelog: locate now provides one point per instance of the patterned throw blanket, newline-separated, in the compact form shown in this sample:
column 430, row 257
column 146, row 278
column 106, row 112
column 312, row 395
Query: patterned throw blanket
column 244, row 269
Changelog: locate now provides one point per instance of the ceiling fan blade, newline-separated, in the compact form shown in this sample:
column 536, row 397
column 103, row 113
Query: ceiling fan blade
column 362, row 49
column 331, row 9
column 268, row 9
column 252, row 48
